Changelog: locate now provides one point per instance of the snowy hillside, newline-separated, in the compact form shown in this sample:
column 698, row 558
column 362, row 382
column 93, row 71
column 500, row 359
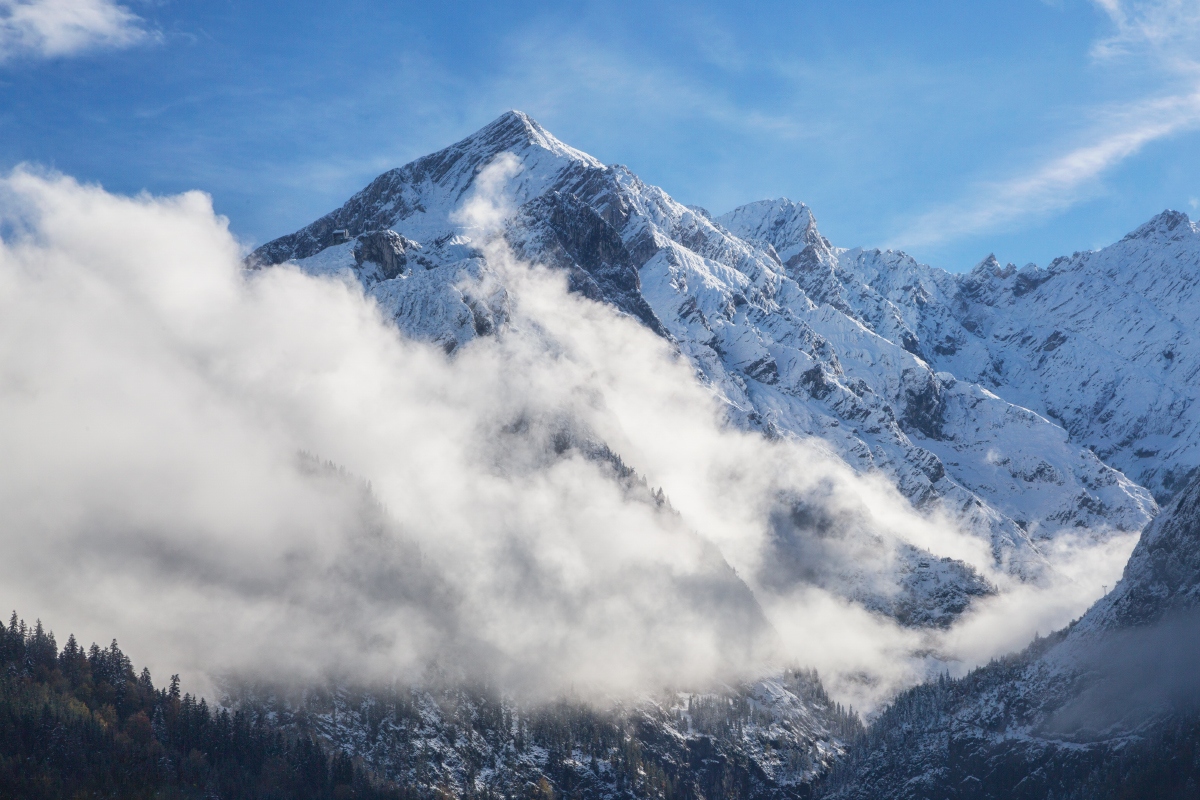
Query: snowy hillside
column 1104, row 342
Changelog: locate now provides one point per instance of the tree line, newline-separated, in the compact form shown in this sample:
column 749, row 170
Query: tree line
column 84, row 723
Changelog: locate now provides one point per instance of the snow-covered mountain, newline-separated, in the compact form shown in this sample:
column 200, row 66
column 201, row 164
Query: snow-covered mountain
column 1019, row 401
column 1103, row 342
column 785, row 326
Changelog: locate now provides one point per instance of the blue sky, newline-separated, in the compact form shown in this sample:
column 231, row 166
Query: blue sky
column 1026, row 128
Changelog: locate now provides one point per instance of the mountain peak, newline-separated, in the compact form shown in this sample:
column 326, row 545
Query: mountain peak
column 1167, row 225
column 425, row 192
column 990, row 266
column 786, row 225
column 515, row 130
column 515, row 116
column 510, row 128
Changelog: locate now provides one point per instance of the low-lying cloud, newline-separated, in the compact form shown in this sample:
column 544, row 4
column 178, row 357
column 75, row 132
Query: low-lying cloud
column 187, row 450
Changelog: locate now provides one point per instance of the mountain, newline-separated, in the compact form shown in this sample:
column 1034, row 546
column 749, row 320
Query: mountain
column 1109, row 707
column 758, row 301
column 1102, row 342
column 1011, row 400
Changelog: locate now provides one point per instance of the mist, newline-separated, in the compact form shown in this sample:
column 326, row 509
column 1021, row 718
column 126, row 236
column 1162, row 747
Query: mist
column 1132, row 675
column 254, row 473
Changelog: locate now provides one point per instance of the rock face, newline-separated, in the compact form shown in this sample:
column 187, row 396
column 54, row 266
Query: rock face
column 388, row 250
column 780, row 322
column 1105, row 708
column 563, row 231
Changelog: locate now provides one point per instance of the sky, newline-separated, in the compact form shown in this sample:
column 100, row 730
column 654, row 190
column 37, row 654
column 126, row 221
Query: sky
column 1027, row 128
column 156, row 396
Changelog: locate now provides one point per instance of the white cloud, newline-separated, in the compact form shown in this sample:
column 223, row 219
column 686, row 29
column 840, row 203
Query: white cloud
column 1163, row 29
column 1063, row 181
column 52, row 28
column 153, row 398
column 1165, row 34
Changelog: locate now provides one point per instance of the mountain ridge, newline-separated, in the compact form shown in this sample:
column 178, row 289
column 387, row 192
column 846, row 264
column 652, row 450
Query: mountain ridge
column 1002, row 395
column 693, row 278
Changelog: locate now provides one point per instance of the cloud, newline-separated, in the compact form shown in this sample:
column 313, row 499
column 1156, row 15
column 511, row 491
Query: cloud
column 1164, row 33
column 1084, row 570
column 55, row 28
column 254, row 473
column 1063, row 181
column 1168, row 30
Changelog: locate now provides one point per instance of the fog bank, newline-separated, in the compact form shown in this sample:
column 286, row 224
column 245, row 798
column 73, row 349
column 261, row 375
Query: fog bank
column 187, row 447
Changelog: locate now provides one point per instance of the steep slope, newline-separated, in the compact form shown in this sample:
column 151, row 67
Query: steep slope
column 1162, row 578
column 1107, row 343
column 787, row 361
column 1107, row 704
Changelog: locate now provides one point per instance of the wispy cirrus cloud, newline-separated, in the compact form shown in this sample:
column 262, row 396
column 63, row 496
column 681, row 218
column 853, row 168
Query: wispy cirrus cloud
column 56, row 28
column 1167, row 29
column 1165, row 35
